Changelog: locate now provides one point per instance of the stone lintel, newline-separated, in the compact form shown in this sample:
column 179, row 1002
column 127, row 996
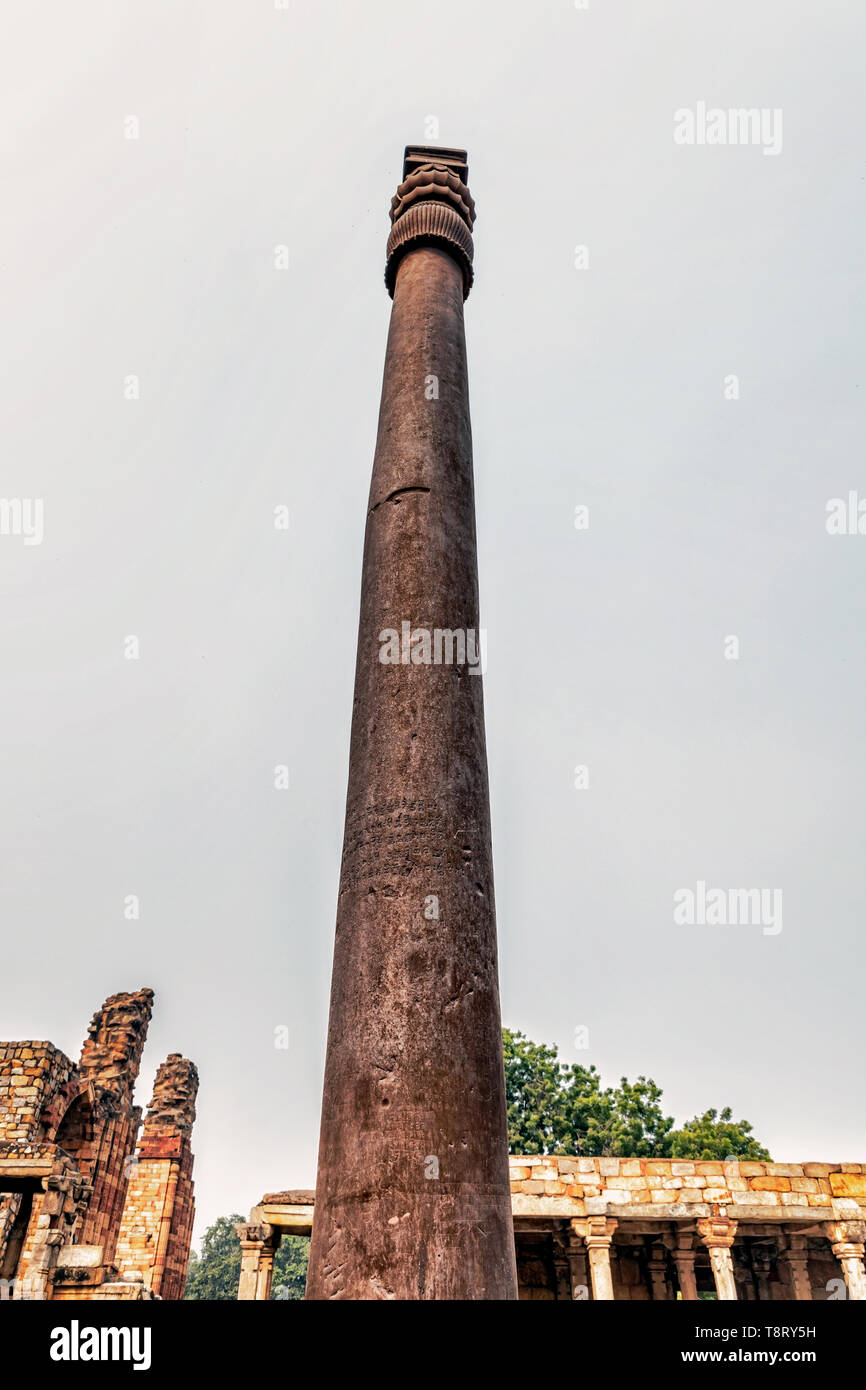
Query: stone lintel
column 294, row 1196
column 778, row 1215
column 295, row 1219
column 80, row 1257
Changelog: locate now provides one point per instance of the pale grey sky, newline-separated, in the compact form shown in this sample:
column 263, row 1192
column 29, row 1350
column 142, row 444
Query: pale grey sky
column 260, row 127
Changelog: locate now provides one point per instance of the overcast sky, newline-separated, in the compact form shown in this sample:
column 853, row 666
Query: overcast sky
column 606, row 385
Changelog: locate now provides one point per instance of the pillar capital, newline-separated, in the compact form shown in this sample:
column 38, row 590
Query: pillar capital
column 432, row 207
column 594, row 1230
column 717, row 1232
column 847, row 1242
column 251, row 1234
column 846, row 1233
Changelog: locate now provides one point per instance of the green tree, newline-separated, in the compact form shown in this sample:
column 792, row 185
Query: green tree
column 716, row 1136
column 290, row 1267
column 554, row 1108
column 534, row 1095
column 215, row 1272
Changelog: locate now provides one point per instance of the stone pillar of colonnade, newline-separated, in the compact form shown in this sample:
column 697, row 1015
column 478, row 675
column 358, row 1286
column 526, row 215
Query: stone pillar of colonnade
column 795, row 1259
column 717, row 1234
column 761, row 1266
column 561, row 1269
column 597, row 1232
column 847, row 1241
column 258, row 1248
column 684, row 1258
column 266, row 1267
column 576, row 1255
column 658, row 1274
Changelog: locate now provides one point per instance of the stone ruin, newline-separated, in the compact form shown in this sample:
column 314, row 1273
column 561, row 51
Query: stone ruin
column 86, row 1211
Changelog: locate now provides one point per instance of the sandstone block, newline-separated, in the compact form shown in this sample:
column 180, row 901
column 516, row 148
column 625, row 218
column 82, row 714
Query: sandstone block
column 846, row 1184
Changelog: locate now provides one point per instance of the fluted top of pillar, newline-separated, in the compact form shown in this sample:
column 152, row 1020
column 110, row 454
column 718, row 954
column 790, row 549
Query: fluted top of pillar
column 432, row 207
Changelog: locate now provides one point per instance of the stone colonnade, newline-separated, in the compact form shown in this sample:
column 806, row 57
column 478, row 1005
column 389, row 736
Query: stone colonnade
column 591, row 1238
column 583, row 1259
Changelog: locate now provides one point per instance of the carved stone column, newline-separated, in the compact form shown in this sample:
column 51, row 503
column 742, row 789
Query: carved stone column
column 684, row 1258
column 717, row 1234
column 266, row 1265
column 658, row 1274
column 795, row 1258
column 561, row 1270
column 576, row 1254
column 847, row 1241
column 597, row 1232
column 761, row 1263
column 252, row 1239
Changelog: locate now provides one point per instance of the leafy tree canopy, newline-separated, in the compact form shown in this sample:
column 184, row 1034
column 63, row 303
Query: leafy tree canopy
column 557, row 1108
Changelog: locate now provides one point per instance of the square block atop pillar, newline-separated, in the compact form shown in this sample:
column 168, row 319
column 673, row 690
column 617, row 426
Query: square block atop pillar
column 416, row 155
